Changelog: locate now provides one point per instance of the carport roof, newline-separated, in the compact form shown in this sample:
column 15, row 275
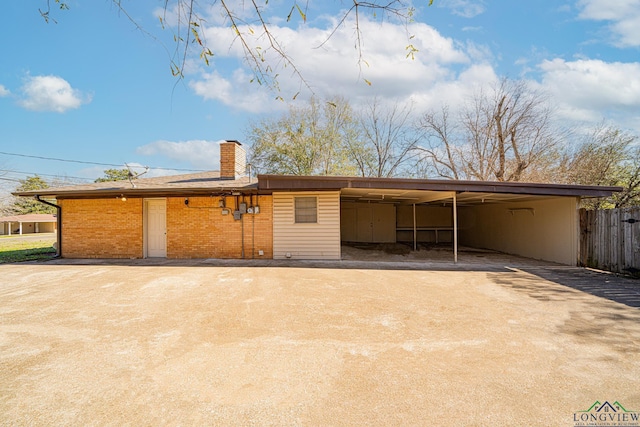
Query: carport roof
column 305, row 183
column 210, row 182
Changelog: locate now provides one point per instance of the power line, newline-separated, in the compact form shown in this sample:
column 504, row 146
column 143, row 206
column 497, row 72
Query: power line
column 59, row 160
column 10, row 179
column 62, row 177
column 94, row 163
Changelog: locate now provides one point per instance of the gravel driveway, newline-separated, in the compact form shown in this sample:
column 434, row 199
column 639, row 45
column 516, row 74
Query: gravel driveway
column 320, row 345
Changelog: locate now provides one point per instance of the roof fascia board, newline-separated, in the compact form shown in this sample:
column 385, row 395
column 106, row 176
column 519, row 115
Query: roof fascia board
column 135, row 192
column 289, row 182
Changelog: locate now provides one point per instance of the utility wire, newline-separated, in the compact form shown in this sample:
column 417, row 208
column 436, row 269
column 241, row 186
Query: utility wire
column 9, row 179
column 62, row 177
column 94, row 163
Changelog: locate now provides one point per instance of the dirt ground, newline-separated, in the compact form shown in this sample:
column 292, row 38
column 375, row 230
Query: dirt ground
column 484, row 343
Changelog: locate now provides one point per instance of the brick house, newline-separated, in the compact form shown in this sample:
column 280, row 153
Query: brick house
column 228, row 214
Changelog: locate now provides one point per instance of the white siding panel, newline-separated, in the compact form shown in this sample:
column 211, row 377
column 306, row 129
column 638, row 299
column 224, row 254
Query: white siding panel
column 306, row 241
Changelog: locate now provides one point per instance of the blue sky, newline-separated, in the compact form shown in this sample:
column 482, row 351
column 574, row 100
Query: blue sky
column 93, row 88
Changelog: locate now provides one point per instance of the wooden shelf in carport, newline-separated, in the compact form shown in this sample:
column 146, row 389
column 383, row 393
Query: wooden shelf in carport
column 434, row 229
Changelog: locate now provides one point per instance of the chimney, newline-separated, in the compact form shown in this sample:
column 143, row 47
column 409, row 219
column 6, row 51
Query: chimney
column 233, row 160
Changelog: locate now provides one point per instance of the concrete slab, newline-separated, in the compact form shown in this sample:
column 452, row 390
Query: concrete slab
column 157, row 342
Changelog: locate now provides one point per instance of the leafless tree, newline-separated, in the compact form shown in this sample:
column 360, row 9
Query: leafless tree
column 388, row 140
column 504, row 134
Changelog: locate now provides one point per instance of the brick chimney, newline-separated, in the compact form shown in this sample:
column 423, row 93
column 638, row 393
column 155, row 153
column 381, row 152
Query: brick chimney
column 233, row 160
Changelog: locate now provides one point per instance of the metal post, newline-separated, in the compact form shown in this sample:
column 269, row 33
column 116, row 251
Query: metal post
column 455, row 229
column 415, row 230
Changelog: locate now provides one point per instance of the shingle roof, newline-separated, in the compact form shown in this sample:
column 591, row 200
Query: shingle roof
column 196, row 183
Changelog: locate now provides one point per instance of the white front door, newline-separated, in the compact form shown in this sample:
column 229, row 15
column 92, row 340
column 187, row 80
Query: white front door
column 156, row 228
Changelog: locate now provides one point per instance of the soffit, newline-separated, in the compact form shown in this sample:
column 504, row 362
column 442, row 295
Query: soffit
column 409, row 197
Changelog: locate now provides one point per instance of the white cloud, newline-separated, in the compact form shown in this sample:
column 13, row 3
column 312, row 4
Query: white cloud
column 330, row 65
column 4, row 91
column 624, row 16
column 454, row 93
column 236, row 92
column 464, row 8
column 590, row 90
column 200, row 154
column 51, row 93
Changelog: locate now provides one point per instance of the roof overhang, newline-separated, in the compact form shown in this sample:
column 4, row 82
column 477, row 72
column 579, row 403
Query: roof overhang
column 103, row 193
column 402, row 189
column 346, row 184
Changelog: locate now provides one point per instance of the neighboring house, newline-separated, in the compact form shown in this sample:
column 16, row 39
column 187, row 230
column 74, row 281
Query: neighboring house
column 27, row 224
column 227, row 214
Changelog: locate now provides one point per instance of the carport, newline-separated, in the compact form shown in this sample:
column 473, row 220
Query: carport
column 537, row 221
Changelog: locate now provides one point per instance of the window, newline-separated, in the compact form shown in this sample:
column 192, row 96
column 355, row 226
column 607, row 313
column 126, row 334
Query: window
column 306, row 209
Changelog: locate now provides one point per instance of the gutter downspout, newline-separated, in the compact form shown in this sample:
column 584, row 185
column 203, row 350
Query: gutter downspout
column 59, row 221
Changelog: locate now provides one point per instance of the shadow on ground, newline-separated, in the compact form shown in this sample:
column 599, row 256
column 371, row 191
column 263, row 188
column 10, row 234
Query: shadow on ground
column 593, row 320
column 620, row 289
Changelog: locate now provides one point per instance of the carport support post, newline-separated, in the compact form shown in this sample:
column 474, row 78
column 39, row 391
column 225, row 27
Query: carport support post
column 415, row 230
column 455, row 229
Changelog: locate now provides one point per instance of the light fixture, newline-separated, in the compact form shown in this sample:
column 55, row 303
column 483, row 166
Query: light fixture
column 124, row 199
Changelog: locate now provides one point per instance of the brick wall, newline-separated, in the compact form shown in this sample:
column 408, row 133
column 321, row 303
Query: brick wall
column 199, row 230
column 111, row 228
column 102, row 228
column 233, row 160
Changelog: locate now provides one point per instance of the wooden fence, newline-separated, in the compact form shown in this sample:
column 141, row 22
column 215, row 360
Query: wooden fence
column 610, row 240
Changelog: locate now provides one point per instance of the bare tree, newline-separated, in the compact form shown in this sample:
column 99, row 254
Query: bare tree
column 441, row 155
column 388, row 141
column 504, row 134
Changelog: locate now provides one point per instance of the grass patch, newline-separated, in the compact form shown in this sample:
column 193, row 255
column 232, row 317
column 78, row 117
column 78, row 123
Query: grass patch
column 26, row 250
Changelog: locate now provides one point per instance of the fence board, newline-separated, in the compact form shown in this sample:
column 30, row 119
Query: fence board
column 610, row 240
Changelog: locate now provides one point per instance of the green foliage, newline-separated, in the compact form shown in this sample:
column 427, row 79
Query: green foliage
column 331, row 138
column 309, row 140
column 114, row 175
column 27, row 205
column 32, row 183
column 608, row 156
